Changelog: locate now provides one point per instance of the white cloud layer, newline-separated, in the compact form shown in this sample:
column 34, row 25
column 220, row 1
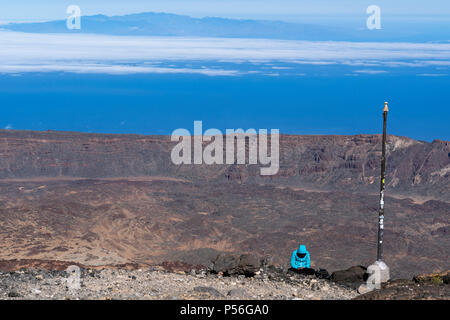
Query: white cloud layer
column 370, row 71
column 108, row 69
column 23, row 52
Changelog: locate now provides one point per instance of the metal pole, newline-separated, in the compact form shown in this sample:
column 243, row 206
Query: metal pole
column 382, row 186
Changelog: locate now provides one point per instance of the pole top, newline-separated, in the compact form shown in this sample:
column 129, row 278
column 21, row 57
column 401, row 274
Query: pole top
column 386, row 109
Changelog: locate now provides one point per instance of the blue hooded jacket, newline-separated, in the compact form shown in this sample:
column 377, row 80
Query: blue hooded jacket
column 297, row 262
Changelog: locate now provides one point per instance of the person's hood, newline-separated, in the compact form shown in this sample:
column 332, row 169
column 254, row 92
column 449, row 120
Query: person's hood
column 302, row 249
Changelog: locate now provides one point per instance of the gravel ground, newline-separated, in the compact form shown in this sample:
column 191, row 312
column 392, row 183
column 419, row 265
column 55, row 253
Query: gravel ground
column 151, row 284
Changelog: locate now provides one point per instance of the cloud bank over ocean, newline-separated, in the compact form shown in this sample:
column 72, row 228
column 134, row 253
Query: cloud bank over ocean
column 83, row 53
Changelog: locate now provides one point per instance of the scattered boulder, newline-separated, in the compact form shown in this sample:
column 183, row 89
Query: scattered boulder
column 13, row 294
column 248, row 265
column 238, row 292
column 231, row 264
column 433, row 278
column 224, row 263
column 208, row 290
column 275, row 273
column 352, row 277
column 179, row 266
column 323, row 274
column 446, row 278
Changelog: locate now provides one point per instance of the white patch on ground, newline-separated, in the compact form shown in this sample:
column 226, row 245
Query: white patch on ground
column 402, row 143
column 441, row 172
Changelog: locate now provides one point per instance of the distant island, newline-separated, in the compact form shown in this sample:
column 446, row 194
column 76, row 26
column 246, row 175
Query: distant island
column 168, row 24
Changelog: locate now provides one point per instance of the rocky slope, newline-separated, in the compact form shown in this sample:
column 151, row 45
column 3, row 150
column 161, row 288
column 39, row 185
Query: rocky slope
column 182, row 283
column 151, row 284
column 422, row 287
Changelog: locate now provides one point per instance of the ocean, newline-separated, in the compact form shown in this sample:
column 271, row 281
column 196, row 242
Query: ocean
column 297, row 100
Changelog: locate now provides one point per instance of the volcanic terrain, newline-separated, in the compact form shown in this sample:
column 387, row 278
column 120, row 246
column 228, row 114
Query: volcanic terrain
column 100, row 199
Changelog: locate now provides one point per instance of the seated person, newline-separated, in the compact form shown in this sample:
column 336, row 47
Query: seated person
column 300, row 261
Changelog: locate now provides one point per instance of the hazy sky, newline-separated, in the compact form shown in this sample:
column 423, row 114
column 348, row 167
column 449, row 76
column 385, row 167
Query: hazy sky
column 56, row 9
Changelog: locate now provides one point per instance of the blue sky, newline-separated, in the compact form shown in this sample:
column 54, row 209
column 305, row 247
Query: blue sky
column 47, row 9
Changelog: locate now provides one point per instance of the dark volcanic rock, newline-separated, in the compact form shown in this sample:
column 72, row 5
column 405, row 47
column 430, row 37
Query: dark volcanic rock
column 248, row 265
column 408, row 290
column 275, row 273
column 432, row 278
column 446, row 279
column 225, row 263
column 231, row 264
column 432, row 286
column 323, row 274
column 13, row 294
column 353, row 276
column 174, row 266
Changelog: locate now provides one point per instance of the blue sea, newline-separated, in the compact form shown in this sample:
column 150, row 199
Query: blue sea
column 314, row 100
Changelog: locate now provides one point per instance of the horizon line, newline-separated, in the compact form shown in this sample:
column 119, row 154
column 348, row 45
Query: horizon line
column 47, row 131
column 233, row 16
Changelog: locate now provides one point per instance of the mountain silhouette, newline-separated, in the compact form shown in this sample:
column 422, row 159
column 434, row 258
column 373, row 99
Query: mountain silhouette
column 166, row 24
